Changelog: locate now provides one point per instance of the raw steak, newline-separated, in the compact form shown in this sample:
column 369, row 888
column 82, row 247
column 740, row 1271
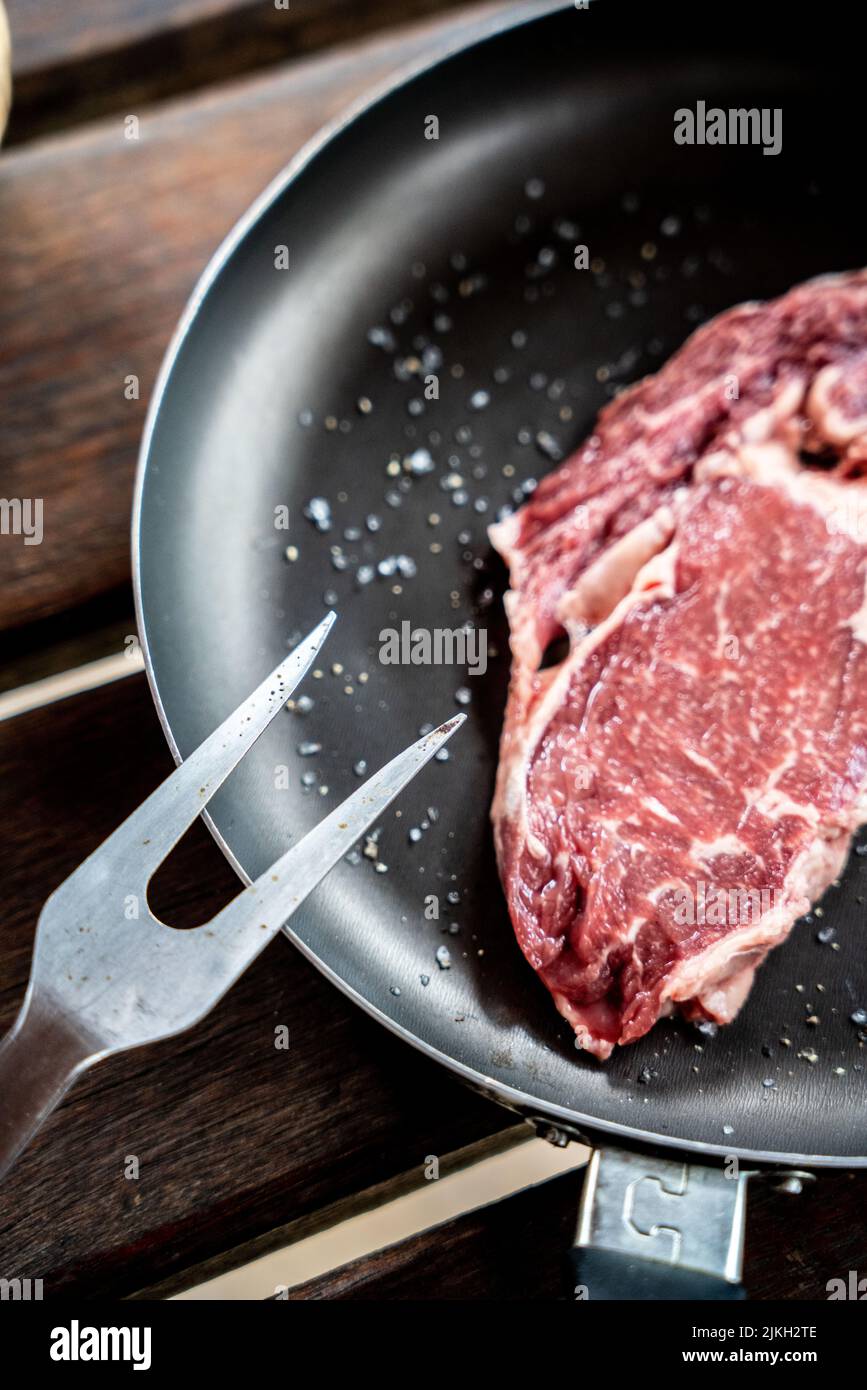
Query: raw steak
column 674, row 793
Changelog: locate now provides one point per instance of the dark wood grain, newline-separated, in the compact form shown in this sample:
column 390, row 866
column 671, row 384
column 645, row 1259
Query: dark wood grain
column 516, row 1248
column 103, row 239
column 53, row 32
column 59, row 644
column 512, row 1249
column 235, row 1139
column 78, row 62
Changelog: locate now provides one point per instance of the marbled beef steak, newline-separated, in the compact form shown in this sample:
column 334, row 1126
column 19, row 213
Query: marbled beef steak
column 675, row 791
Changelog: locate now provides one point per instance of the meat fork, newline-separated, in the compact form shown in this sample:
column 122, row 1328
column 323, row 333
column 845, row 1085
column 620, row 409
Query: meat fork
column 103, row 979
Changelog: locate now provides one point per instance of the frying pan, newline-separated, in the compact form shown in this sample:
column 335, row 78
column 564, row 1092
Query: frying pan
column 287, row 384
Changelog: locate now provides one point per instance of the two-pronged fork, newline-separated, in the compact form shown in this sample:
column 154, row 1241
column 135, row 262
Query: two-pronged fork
column 101, row 982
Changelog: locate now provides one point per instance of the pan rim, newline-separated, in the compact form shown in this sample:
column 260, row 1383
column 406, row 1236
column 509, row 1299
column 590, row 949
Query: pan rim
column 575, row 1124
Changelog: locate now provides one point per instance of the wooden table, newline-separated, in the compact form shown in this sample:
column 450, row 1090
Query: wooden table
column 241, row 1148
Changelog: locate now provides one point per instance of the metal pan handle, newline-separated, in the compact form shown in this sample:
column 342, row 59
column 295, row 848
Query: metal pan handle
column 608, row 1275
column 654, row 1229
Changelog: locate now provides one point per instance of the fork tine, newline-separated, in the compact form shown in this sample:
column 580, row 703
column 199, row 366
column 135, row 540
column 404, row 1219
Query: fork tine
column 247, row 923
column 163, row 817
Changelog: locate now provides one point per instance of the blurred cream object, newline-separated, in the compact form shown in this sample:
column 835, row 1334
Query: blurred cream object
column 5, row 69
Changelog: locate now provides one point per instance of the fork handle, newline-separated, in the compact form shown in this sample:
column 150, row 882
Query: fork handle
column 40, row 1057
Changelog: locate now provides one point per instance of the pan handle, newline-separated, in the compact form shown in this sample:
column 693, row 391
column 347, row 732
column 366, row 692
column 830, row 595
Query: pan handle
column 607, row 1274
column 654, row 1229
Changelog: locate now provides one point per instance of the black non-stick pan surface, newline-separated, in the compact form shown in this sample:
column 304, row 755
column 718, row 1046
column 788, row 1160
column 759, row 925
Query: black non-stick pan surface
column 457, row 252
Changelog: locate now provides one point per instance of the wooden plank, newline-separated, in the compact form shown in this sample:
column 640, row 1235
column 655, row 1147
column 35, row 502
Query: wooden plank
column 516, row 1249
column 237, row 1274
column 234, row 1137
column 57, row 645
column 53, row 32
column 103, row 239
column 79, row 62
